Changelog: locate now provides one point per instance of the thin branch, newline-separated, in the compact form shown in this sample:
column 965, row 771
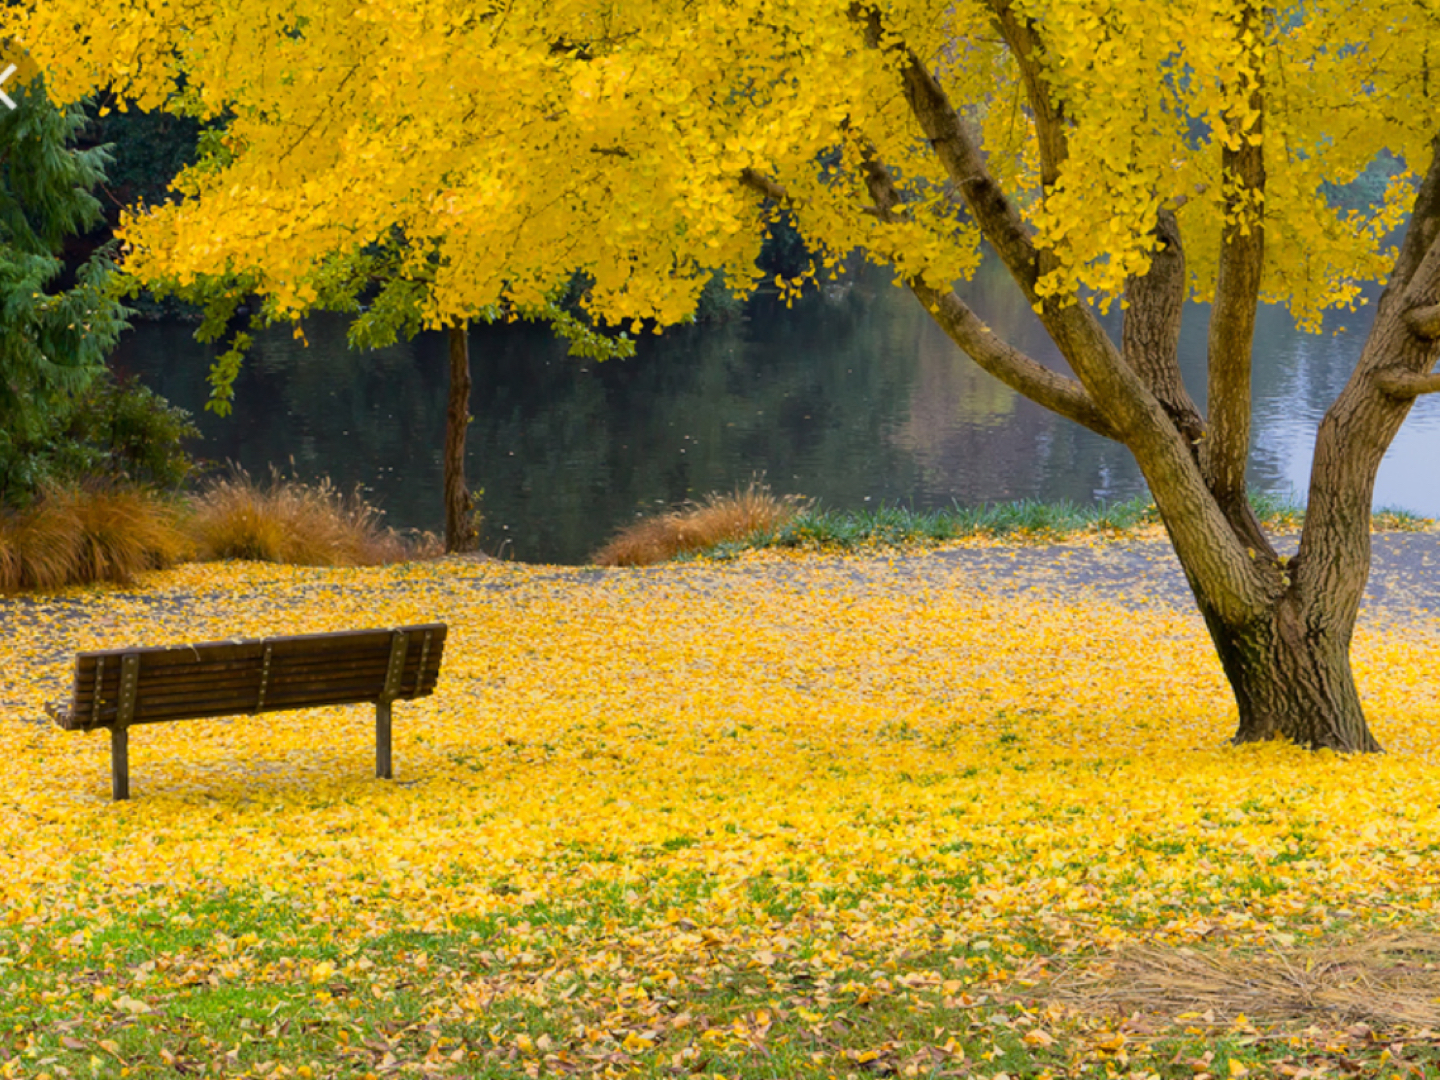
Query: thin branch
column 758, row 181
column 319, row 115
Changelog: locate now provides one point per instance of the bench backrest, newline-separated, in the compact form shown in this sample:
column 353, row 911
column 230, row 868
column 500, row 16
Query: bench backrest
column 224, row 678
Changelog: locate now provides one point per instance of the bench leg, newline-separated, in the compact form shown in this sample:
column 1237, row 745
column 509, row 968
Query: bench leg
column 119, row 763
column 382, row 741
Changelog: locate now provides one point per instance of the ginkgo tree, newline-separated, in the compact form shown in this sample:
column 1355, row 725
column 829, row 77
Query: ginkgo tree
column 1131, row 152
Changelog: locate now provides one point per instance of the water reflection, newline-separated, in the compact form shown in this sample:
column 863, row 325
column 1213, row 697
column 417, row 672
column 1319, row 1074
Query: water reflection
column 853, row 397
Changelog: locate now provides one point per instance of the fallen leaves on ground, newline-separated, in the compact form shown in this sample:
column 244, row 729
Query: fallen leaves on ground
column 778, row 817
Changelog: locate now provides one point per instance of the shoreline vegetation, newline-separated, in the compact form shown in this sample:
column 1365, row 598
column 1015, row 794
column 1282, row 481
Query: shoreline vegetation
column 111, row 534
column 75, row 536
column 752, row 519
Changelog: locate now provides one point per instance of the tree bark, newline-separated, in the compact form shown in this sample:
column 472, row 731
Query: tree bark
column 460, row 534
column 1291, row 676
column 1150, row 339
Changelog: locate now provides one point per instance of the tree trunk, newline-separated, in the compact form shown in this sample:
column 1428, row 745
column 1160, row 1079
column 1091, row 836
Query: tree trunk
column 1282, row 628
column 1290, row 673
column 460, row 534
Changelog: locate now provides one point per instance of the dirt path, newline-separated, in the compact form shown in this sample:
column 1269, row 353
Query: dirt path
column 1404, row 580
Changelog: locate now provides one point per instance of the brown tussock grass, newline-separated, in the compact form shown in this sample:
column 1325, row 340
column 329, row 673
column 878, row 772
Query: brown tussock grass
column 79, row 537
column 697, row 526
column 287, row 521
column 83, row 536
column 1387, row 979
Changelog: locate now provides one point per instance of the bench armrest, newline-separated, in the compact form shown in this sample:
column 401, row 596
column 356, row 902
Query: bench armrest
column 62, row 716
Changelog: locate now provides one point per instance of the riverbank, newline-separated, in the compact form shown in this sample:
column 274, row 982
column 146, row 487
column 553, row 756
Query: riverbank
column 782, row 815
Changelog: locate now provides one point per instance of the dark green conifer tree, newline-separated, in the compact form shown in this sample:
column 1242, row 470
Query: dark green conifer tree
column 54, row 333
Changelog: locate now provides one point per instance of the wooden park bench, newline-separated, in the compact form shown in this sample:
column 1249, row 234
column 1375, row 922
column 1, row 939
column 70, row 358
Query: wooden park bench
column 119, row 688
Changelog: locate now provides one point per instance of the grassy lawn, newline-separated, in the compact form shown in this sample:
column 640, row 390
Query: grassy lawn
column 783, row 816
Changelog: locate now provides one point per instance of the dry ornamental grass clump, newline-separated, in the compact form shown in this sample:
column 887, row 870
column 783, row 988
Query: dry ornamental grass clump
column 288, row 521
column 698, row 526
column 82, row 536
column 77, row 537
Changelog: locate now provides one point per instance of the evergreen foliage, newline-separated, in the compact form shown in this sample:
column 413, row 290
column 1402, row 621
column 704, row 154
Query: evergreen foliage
column 53, row 341
column 63, row 417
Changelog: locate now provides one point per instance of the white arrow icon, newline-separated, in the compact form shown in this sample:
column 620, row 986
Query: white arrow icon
column 4, row 77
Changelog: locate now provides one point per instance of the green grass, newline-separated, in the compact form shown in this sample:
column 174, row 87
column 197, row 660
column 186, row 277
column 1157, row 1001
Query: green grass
column 897, row 526
column 233, row 985
column 816, row 528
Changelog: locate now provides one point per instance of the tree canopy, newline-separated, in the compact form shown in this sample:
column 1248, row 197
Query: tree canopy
column 512, row 142
column 1109, row 151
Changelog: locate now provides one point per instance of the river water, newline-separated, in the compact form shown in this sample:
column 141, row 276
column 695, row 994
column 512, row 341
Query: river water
column 852, row 396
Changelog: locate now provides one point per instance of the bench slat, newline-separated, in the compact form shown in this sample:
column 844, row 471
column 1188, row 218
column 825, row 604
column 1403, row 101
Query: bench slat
column 371, row 683
column 280, row 671
column 314, row 693
column 195, row 709
column 340, row 641
column 245, row 698
column 279, row 668
column 213, row 712
column 243, row 652
column 373, row 658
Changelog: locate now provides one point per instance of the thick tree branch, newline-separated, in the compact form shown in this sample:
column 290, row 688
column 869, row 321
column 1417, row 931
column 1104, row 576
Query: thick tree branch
column 1226, row 449
column 1015, row 369
column 1021, row 373
column 1424, row 321
column 1012, row 367
column 1151, row 337
column 1407, row 384
column 1018, row 32
column 999, row 220
column 1424, row 227
column 1424, row 284
column 1396, row 365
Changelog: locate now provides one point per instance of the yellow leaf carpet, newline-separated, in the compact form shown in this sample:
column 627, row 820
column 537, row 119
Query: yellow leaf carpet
column 821, row 781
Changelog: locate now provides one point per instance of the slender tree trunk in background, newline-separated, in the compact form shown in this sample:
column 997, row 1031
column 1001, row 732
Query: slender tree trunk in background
column 460, row 535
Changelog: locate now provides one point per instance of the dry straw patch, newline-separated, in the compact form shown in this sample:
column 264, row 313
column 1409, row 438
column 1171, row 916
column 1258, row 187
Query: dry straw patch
column 287, row 521
column 81, row 536
column 697, row 526
column 78, row 537
column 1385, row 980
